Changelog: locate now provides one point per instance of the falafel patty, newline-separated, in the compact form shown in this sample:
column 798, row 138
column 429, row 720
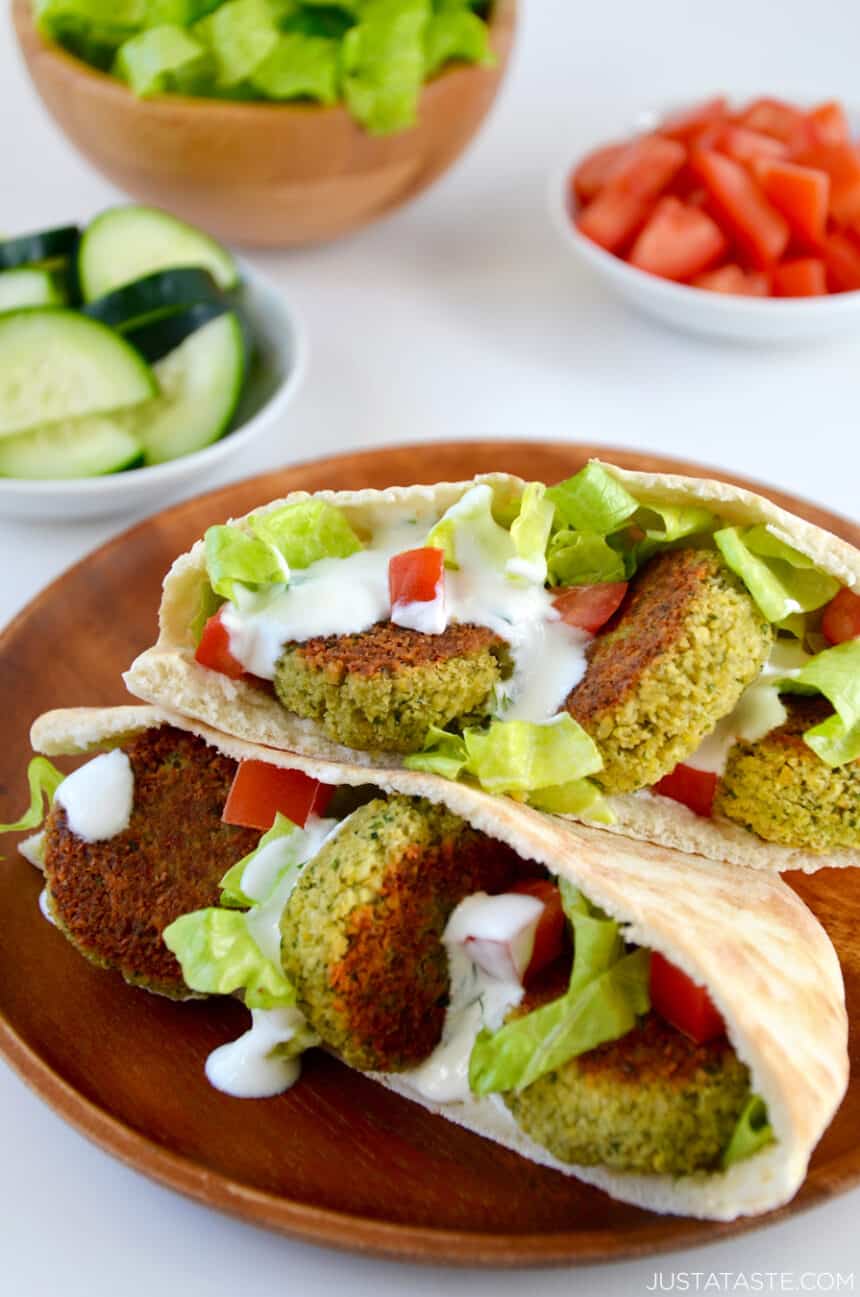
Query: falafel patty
column 651, row 1101
column 385, row 687
column 780, row 789
column 113, row 899
column 688, row 641
column 362, row 931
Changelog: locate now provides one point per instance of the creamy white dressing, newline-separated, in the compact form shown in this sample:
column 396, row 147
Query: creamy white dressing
column 476, row 1000
column 33, row 849
column 429, row 616
column 264, row 920
column 98, row 797
column 245, row 1068
column 497, row 932
column 45, row 907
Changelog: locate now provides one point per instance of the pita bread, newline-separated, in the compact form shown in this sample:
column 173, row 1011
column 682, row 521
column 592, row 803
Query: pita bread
column 167, row 674
column 767, row 962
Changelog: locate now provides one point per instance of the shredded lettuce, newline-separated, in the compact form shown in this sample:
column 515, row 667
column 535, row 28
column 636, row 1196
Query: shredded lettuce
column 44, row 779
column 592, row 501
column 218, row 956
column 455, row 32
column 231, row 884
column 300, row 66
column 162, row 59
column 306, row 532
column 233, row 557
column 608, row 990
column 751, row 1134
column 835, row 673
column 383, row 64
column 583, row 558
column 530, row 532
column 780, row 579
column 240, row 35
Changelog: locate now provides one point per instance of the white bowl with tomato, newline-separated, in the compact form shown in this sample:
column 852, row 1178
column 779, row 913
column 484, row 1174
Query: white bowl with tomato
column 736, row 222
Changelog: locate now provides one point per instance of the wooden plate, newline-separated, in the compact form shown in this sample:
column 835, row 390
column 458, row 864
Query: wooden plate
column 337, row 1160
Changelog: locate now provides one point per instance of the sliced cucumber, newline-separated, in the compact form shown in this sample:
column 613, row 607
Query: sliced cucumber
column 44, row 245
column 76, row 448
column 162, row 293
column 201, row 382
column 126, row 243
column 154, row 341
column 56, row 364
column 28, row 287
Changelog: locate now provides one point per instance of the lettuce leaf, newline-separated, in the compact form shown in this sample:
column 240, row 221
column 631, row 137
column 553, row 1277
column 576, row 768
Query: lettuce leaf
column 780, row 579
column 679, row 520
column 162, row 59
column 469, row 524
column 752, row 1132
column 231, row 884
column 835, row 673
column 218, row 956
column 300, row 66
column 608, row 990
column 240, row 35
column 530, row 532
column 382, row 60
column 456, row 33
column 306, row 532
column 583, row 558
column 233, row 557
column 44, row 779
column 592, row 501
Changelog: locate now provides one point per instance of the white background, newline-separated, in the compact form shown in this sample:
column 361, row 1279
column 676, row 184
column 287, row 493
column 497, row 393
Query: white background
column 459, row 317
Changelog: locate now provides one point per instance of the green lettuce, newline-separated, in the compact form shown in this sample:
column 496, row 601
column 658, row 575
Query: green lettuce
column 679, row 520
column 455, row 32
column 592, row 501
column 752, row 1132
column 300, row 66
column 44, row 779
column 231, row 884
column 780, row 579
column 608, row 991
column 240, row 35
column 470, row 522
column 233, row 557
column 583, row 558
column 162, row 59
column 218, row 956
column 835, row 673
column 530, row 533
column 306, row 532
column 383, row 64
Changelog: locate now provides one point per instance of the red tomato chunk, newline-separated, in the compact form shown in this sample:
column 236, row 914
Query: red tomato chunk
column 549, row 934
column 590, row 606
column 806, row 277
column 841, row 621
column 681, row 1001
column 259, row 790
column 622, row 206
column 678, row 242
column 416, row 575
column 213, row 651
column 694, row 788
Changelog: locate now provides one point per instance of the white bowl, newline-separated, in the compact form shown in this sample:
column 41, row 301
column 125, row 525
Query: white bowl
column 279, row 366
column 698, row 310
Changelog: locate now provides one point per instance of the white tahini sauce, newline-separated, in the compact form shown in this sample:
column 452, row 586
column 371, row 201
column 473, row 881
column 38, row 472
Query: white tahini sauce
column 260, row 876
column 759, row 710
column 476, row 1000
column 343, row 596
column 33, row 849
column 245, row 1069
column 98, row 797
column 45, row 907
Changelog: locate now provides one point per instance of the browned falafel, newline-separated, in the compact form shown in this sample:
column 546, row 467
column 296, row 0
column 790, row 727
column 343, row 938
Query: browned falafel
column 686, row 643
column 113, row 899
column 385, row 687
column 362, row 931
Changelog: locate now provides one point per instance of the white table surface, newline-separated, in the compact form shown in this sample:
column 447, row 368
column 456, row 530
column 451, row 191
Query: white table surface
column 461, row 317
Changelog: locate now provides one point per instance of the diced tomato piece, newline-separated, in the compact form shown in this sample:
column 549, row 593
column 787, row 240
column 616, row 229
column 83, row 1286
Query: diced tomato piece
column 594, row 171
column 678, row 241
column 621, row 208
column 416, row 575
column 841, row 162
column 213, row 651
column 829, row 123
column 842, row 258
column 549, row 934
column 259, row 790
column 805, row 277
column 745, row 213
column 802, row 194
column 683, row 124
column 590, row 606
column 782, row 121
column 742, row 144
column 841, row 621
column 694, row 788
column 681, row 1001
column 733, row 279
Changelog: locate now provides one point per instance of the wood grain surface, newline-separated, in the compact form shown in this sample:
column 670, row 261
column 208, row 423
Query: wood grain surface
column 263, row 174
column 336, row 1160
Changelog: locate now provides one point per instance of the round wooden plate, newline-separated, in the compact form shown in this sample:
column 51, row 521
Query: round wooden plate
column 336, row 1160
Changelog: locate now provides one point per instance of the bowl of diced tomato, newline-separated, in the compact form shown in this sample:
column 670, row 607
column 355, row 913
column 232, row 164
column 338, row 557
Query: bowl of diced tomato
column 736, row 221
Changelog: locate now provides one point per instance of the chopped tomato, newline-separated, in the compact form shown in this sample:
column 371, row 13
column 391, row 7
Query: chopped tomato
column 781, row 120
column 678, row 241
column 595, row 170
column 213, row 651
column 687, row 122
column 829, row 123
column 590, row 606
column 745, row 212
column 681, row 1001
column 805, row 277
column 742, row 144
column 694, row 788
column 259, row 790
column 802, row 194
column 842, row 258
column 841, row 162
column 841, row 621
column 622, row 207
column 732, row 279
column 549, row 934
column 416, row 575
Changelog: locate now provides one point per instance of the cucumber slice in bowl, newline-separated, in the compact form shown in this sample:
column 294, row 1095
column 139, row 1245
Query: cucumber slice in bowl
column 76, row 448
column 56, row 364
column 201, row 383
column 44, row 245
column 162, row 293
column 155, row 340
column 28, row 287
column 126, row 243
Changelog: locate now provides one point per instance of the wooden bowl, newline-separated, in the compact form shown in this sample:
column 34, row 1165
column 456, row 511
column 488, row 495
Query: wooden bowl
column 268, row 175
